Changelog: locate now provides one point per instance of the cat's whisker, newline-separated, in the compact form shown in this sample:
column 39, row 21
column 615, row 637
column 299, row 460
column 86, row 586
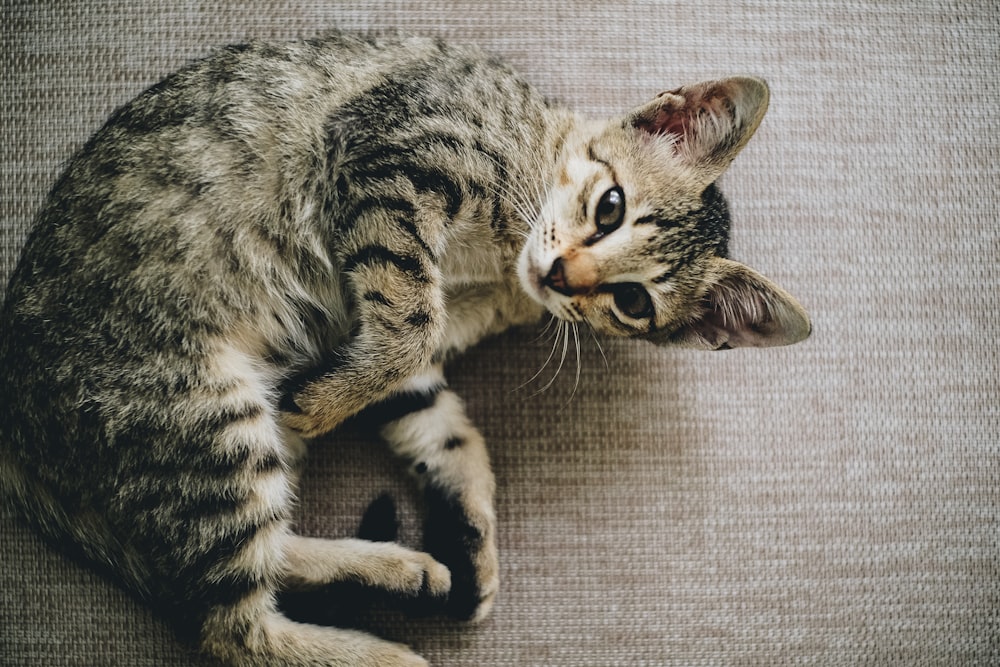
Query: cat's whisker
column 521, row 196
column 564, row 331
column 600, row 348
column 546, row 330
column 576, row 340
column 518, row 203
column 548, row 360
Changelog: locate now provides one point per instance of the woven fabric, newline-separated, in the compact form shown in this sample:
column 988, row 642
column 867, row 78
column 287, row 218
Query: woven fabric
column 831, row 503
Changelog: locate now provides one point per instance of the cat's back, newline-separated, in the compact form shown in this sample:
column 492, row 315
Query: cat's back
column 216, row 176
column 179, row 250
column 220, row 182
column 198, row 218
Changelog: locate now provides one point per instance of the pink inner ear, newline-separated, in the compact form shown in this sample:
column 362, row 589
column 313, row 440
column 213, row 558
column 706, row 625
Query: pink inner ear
column 664, row 122
column 676, row 124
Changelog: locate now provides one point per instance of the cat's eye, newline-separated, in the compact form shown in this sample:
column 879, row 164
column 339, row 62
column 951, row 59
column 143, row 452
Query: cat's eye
column 610, row 211
column 633, row 301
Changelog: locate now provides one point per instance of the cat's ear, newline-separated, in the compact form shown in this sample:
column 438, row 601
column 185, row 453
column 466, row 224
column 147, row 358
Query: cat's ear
column 742, row 308
column 708, row 123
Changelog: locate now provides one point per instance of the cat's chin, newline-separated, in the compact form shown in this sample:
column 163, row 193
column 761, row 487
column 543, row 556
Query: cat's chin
column 552, row 303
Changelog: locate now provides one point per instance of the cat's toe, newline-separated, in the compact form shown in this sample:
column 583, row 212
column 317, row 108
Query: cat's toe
column 437, row 580
column 411, row 574
column 484, row 608
column 303, row 424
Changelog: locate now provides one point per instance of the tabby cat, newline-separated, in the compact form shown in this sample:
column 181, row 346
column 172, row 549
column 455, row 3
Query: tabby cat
column 283, row 236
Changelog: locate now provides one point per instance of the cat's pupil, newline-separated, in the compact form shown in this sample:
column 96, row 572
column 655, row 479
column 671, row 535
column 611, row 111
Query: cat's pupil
column 633, row 300
column 610, row 211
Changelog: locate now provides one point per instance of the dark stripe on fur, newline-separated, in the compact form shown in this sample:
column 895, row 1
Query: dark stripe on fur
column 424, row 179
column 663, row 277
column 209, row 502
column 402, row 210
column 403, row 207
column 269, row 463
column 374, row 296
column 410, row 227
column 649, row 220
column 398, row 406
column 230, row 588
column 218, row 555
column 419, row 318
column 379, row 254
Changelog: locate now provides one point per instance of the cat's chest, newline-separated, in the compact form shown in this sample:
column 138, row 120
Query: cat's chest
column 472, row 258
column 481, row 288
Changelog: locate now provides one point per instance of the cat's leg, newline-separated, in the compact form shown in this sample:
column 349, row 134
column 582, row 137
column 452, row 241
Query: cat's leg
column 395, row 284
column 425, row 423
column 253, row 633
column 312, row 563
column 248, row 553
column 220, row 534
column 244, row 626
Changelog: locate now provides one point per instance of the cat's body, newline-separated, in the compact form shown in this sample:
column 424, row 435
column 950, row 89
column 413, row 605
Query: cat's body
column 281, row 236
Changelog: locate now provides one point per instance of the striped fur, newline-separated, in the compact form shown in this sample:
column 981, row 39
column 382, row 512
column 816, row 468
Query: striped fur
column 281, row 237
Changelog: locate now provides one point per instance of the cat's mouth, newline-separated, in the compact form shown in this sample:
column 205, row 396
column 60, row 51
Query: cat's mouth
column 548, row 290
column 543, row 285
column 545, row 281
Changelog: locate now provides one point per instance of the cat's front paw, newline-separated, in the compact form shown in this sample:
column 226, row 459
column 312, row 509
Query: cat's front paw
column 463, row 537
column 304, row 424
column 309, row 417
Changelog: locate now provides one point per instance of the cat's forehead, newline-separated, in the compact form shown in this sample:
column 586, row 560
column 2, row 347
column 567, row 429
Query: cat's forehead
column 645, row 166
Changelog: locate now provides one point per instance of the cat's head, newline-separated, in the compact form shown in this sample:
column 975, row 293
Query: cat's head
column 632, row 235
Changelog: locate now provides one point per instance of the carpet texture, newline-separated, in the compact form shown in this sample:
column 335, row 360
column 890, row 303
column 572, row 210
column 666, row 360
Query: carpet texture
column 832, row 503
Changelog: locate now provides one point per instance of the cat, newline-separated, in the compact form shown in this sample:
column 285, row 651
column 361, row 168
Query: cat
column 284, row 236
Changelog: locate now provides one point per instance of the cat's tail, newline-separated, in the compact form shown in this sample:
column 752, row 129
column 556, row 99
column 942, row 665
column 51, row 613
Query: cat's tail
column 379, row 522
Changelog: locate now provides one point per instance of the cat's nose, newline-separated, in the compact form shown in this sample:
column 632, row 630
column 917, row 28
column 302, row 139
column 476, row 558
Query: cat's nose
column 556, row 278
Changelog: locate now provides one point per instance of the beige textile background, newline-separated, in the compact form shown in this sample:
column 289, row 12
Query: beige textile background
column 833, row 503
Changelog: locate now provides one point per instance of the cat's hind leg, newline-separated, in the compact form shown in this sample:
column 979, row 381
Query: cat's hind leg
column 223, row 523
column 313, row 563
column 253, row 633
column 245, row 626
column 425, row 423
